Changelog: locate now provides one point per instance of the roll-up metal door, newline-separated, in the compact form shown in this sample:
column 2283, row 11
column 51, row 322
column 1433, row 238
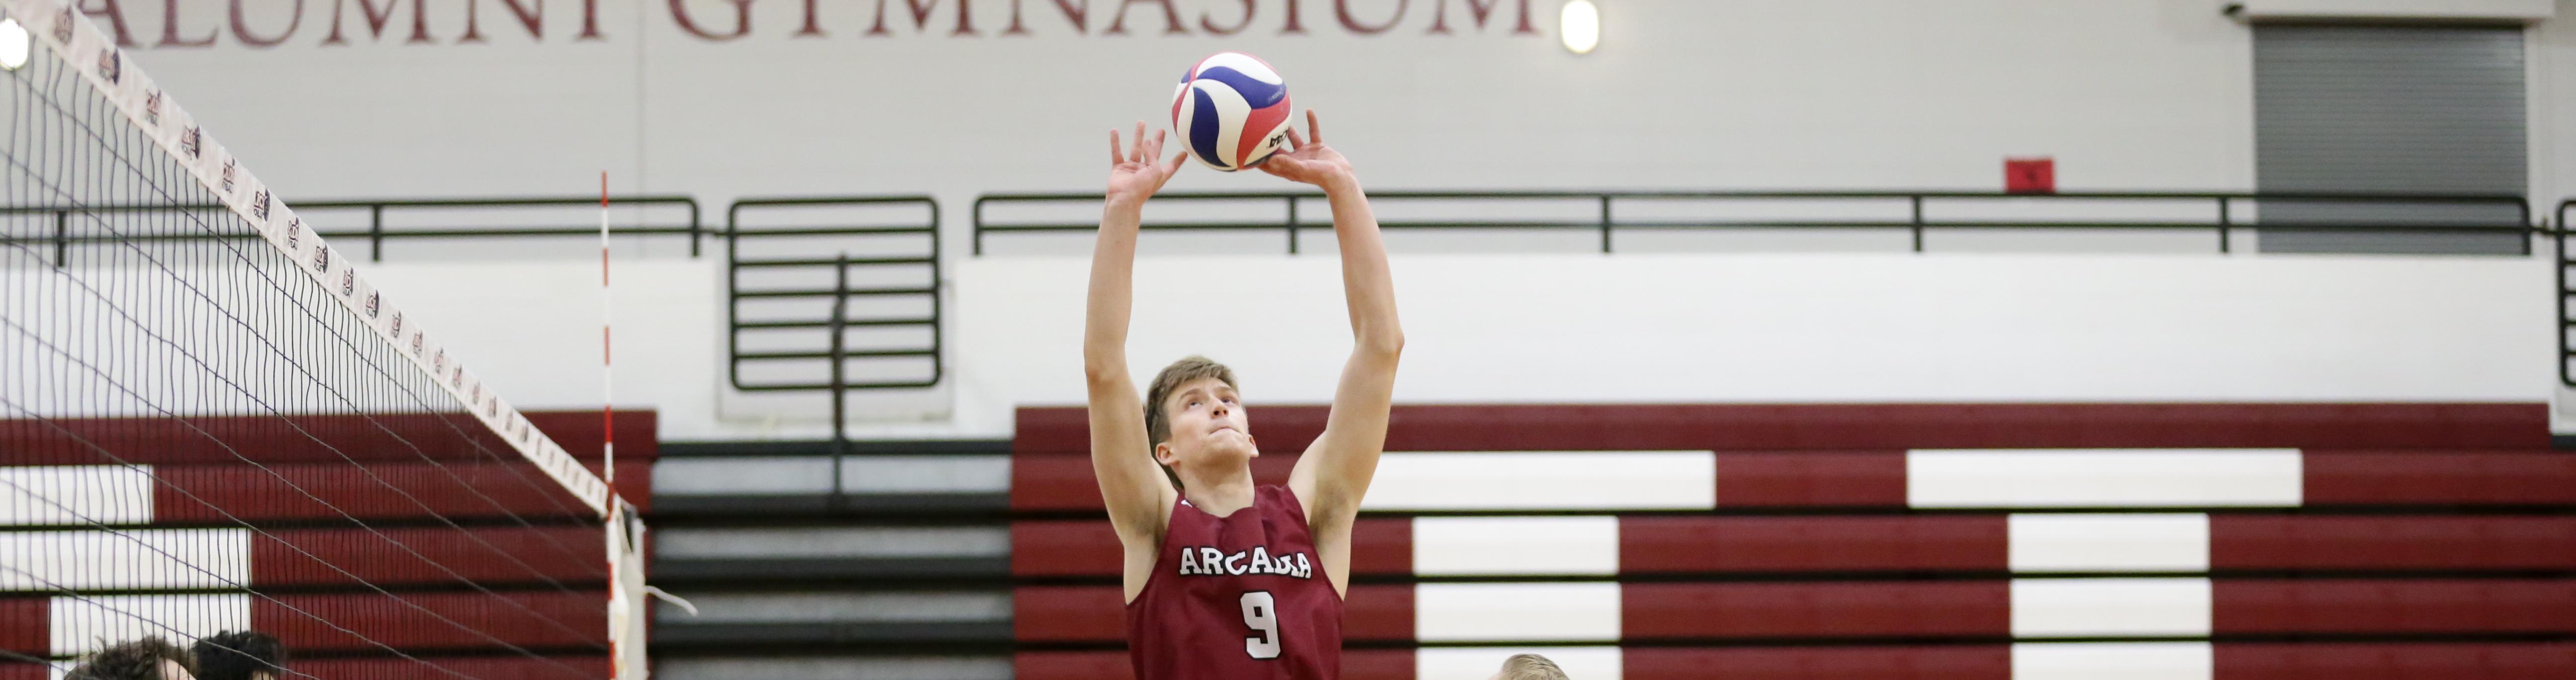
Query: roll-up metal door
column 2393, row 109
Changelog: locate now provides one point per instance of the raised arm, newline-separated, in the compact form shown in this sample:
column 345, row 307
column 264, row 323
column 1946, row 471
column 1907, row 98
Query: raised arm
column 1335, row 471
column 1130, row 483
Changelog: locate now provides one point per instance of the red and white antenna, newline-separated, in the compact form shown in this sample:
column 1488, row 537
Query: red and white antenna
column 607, row 383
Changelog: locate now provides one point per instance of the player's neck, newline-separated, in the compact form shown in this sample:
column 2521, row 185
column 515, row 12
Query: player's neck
column 1221, row 495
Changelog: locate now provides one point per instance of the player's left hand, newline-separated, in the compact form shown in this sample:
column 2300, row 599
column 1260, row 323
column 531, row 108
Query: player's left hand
column 1307, row 159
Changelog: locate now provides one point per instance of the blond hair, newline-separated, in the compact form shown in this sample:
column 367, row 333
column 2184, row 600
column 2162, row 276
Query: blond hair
column 1158, row 422
column 1531, row 667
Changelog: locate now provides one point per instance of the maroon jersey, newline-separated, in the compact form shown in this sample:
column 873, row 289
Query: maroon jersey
column 1240, row 597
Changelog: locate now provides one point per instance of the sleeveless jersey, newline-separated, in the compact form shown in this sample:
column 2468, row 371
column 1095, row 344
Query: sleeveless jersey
column 1240, row 597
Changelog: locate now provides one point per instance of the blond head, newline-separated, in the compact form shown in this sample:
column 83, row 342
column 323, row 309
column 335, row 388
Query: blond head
column 1530, row 667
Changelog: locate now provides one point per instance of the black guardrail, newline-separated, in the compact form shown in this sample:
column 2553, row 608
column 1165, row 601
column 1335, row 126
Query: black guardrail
column 918, row 250
column 2566, row 297
column 377, row 232
column 2222, row 223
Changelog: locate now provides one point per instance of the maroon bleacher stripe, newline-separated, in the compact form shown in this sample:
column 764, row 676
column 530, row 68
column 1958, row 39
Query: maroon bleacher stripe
column 456, row 490
column 2533, row 477
column 1382, row 546
column 479, row 668
column 1672, row 611
column 1068, row 613
column 1652, row 544
column 1065, row 548
column 1099, row 613
column 1697, row 611
column 2394, row 606
column 1687, row 545
column 25, row 629
column 2426, row 543
column 1357, row 664
column 551, row 619
column 1076, row 666
column 1530, row 427
column 2408, row 661
column 24, row 671
column 491, row 556
column 1865, row 479
column 2233, row 661
column 404, row 437
column 1964, row 662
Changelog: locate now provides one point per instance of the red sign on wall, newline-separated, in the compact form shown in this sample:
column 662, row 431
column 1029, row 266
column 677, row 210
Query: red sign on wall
column 2036, row 175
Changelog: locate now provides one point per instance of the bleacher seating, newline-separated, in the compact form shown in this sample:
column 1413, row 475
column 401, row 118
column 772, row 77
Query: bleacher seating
column 1897, row 541
column 374, row 523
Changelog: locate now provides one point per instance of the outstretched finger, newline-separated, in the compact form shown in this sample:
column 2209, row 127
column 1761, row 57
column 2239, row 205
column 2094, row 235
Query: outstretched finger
column 1314, row 130
column 1295, row 142
column 1137, row 152
column 1115, row 159
column 1277, row 165
column 1154, row 150
column 1173, row 166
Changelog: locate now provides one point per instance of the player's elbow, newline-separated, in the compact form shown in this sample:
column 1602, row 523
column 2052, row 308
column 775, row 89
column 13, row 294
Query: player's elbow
column 1102, row 372
column 1387, row 344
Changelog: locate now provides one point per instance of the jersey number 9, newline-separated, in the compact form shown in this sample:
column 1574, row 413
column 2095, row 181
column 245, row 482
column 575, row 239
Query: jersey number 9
column 1263, row 617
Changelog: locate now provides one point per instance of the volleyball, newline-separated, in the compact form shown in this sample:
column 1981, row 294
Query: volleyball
column 1231, row 110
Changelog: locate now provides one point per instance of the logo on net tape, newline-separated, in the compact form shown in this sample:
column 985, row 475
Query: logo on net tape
column 294, row 233
column 396, row 330
column 193, row 141
column 321, row 255
column 259, row 204
column 375, row 303
column 348, row 282
column 107, row 65
column 228, row 175
column 63, row 26
column 415, row 343
column 152, row 107
column 439, row 364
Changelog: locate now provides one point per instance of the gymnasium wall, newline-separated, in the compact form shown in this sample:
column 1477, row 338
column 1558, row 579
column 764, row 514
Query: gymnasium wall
column 1840, row 94
column 1846, row 94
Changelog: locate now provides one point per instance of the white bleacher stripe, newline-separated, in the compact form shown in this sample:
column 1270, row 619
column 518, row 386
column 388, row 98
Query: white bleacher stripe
column 2102, row 478
column 2110, row 607
column 1557, row 546
column 2113, row 661
column 1478, row 663
column 2113, row 542
column 72, row 495
column 126, row 559
column 1508, row 612
column 80, row 624
column 1551, row 480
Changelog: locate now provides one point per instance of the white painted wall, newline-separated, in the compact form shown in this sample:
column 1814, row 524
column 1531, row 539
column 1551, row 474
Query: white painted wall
column 1854, row 94
column 1830, row 94
column 1790, row 328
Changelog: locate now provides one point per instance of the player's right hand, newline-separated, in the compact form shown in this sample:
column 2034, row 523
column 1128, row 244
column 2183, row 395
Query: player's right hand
column 1134, row 173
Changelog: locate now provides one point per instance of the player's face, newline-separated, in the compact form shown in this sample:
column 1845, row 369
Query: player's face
column 1208, row 419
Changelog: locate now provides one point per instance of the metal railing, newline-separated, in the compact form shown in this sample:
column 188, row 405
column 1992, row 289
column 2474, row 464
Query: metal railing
column 376, row 232
column 2224, row 221
column 833, row 317
column 2566, row 296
